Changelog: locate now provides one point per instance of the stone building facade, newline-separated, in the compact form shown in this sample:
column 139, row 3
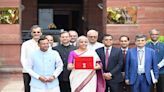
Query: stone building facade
column 80, row 15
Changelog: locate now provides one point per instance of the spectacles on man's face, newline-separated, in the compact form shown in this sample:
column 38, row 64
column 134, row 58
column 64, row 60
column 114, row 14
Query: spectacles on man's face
column 36, row 32
column 92, row 36
column 154, row 34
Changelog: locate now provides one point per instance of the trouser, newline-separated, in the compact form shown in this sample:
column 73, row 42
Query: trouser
column 141, row 84
column 64, row 86
column 160, row 84
column 27, row 79
column 114, row 87
column 126, row 87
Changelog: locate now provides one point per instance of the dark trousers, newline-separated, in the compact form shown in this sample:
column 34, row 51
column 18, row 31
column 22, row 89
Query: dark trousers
column 27, row 79
column 126, row 88
column 160, row 84
column 154, row 88
column 114, row 87
column 64, row 86
column 141, row 84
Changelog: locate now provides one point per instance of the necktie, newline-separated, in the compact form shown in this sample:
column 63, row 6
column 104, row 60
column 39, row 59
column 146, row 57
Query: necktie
column 124, row 55
column 106, row 58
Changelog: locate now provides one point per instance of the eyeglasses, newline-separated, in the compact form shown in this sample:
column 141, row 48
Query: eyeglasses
column 154, row 34
column 92, row 36
column 35, row 32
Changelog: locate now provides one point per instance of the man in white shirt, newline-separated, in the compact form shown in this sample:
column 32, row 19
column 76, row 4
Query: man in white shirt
column 26, row 50
column 44, row 67
column 92, row 36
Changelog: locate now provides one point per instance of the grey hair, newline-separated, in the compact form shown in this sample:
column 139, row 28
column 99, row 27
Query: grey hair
column 79, row 39
column 63, row 33
column 91, row 31
column 140, row 36
column 151, row 31
column 35, row 26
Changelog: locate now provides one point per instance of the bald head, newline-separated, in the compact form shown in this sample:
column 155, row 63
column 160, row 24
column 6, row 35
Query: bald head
column 154, row 34
column 92, row 36
column 73, row 34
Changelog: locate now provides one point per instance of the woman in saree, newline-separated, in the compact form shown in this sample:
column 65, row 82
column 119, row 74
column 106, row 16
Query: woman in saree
column 85, row 80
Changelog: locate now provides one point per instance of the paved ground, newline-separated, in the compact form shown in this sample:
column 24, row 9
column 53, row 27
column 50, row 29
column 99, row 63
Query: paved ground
column 11, row 82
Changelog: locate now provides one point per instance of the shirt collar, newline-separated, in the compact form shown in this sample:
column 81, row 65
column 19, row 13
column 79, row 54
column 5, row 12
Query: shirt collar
column 109, row 48
column 126, row 49
column 143, row 49
column 155, row 42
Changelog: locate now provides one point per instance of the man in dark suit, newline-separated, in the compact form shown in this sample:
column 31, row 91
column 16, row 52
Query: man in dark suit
column 139, row 62
column 64, row 48
column 112, row 61
column 124, row 46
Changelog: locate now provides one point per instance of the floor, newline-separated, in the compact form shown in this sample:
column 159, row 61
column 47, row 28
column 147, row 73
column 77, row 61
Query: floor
column 11, row 82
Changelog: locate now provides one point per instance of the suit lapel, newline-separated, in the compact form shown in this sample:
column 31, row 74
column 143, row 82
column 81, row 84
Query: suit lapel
column 136, row 54
column 103, row 56
column 146, row 58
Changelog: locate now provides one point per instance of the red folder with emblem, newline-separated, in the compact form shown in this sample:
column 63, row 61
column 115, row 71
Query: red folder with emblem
column 84, row 63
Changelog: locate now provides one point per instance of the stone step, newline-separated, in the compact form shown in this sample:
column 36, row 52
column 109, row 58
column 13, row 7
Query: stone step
column 10, row 70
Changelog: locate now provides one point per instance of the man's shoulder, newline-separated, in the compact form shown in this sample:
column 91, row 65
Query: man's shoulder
column 98, row 43
column 115, row 49
column 132, row 49
column 35, row 52
column 149, row 42
column 161, row 43
column 57, row 47
column 28, row 41
column 53, row 52
column 101, row 48
column 149, row 49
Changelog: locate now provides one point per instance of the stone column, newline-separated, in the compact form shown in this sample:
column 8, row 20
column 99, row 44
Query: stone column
column 10, row 41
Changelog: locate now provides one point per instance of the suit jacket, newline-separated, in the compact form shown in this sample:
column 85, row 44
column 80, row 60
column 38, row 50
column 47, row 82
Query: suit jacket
column 64, row 53
column 124, row 59
column 131, row 67
column 115, row 63
column 159, row 50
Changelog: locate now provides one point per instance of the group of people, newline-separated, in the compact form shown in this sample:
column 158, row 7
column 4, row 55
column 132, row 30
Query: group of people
column 49, row 67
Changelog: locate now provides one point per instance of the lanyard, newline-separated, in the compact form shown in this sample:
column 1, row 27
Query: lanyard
column 140, row 56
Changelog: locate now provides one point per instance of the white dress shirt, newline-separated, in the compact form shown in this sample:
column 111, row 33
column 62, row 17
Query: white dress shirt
column 95, row 46
column 26, row 50
column 141, row 60
column 126, row 49
column 109, row 50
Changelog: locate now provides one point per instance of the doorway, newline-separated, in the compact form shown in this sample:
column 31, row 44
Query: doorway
column 79, row 15
column 67, row 14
